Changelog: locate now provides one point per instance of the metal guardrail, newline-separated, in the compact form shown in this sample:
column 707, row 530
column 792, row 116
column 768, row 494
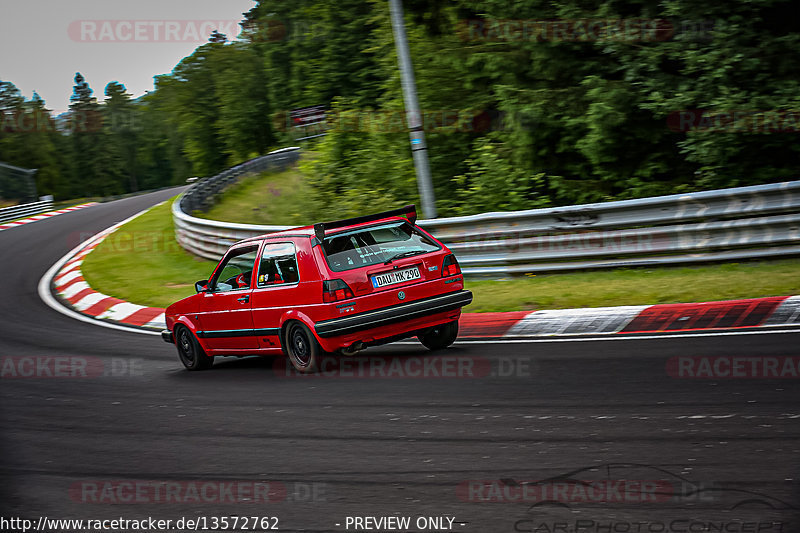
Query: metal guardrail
column 723, row 225
column 18, row 183
column 25, row 210
column 727, row 224
column 209, row 238
column 201, row 195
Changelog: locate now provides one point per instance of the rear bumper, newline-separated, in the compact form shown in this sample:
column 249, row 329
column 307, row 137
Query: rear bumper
column 166, row 335
column 396, row 313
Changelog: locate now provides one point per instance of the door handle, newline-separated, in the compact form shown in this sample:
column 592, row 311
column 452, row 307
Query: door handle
column 244, row 299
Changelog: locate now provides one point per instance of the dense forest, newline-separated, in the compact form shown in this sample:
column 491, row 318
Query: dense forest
column 526, row 104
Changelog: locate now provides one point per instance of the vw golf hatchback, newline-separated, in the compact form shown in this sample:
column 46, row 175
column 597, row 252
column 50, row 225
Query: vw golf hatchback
column 332, row 287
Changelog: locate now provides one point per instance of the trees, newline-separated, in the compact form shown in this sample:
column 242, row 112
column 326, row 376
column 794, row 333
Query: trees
column 121, row 135
column 28, row 139
column 96, row 167
column 240, row 89
column 41, row 147
column 518, row 112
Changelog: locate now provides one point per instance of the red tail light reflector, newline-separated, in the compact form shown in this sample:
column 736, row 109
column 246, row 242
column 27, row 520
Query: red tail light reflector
column 450, row 266
column 334, row 290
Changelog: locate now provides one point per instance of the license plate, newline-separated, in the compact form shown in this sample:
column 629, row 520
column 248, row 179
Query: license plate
column 395, row 276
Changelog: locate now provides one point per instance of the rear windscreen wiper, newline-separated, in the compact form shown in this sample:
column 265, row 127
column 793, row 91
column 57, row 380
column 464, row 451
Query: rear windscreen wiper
column 403, row 254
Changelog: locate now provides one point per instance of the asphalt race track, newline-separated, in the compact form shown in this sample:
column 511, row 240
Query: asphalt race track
column 627, row 442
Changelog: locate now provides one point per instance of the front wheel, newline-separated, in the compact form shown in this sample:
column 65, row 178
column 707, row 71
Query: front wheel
column 302, row 347
column 440, row 337
column 190, row 352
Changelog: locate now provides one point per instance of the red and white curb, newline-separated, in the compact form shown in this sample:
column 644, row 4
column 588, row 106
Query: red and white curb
column 42, row 216
column 80, row 301
column 660, row 318
column 73, row 288
column 84, row 303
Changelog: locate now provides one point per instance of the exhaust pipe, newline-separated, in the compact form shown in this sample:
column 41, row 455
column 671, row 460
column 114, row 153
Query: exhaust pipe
column 353, row 348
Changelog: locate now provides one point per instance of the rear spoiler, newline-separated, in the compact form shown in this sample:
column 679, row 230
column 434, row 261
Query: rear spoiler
column 409, row 211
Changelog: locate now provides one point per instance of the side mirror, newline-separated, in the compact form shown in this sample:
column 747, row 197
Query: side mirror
column 201, row 286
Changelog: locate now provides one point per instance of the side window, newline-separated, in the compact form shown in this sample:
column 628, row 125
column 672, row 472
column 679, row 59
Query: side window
column 278, row 264
column 236, row 270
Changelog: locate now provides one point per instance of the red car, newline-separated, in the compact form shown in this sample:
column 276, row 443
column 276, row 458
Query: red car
column 332, row 287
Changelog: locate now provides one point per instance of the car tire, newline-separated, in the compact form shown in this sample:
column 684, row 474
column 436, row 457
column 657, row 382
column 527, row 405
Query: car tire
column 302, row 347
column 190, row 352
column 440, row 337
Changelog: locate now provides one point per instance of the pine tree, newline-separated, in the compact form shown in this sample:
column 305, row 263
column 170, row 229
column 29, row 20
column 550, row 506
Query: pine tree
column 96, row 171
column 121, row 126
column 217, row 37
column 41, row 150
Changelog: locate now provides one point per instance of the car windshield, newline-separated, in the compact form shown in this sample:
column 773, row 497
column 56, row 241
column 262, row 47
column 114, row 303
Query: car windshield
column 375, row 244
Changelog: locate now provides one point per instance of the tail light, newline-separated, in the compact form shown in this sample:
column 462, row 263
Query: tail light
column 334, row 290
column 450, row 266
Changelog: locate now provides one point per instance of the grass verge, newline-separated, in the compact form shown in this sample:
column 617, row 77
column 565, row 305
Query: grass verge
column 142, row 263
column 277, row 198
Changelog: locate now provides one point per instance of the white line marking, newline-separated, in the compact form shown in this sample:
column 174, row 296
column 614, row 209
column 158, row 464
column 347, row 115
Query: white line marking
column 49, row 299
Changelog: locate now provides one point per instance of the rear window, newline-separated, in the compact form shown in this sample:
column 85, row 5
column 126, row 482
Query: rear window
column 375, row 244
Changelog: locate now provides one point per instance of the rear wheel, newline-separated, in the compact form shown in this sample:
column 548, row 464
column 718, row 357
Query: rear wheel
column 441, row 336
column 303, row 349
column 190, row 352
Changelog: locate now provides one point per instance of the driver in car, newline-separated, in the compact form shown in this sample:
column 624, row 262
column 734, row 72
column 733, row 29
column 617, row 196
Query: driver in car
column 242, row 281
